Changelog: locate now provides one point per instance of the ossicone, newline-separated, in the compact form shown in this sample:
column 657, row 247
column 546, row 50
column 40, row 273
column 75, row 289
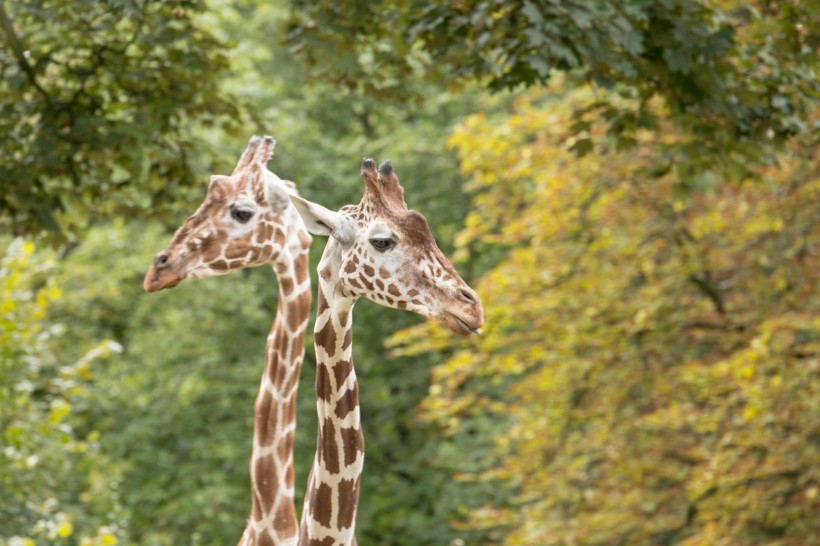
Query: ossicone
column 370, row 177
column 258, row 151
column 392, row 192
column 386, row 168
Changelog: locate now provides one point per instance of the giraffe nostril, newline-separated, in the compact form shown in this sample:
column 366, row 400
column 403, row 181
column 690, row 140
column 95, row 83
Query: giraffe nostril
column 467, row 296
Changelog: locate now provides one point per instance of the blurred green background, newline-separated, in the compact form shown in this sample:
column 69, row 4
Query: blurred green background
column 631, row 186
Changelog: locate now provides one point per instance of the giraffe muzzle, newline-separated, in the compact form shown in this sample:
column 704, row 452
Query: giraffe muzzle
column 159, row 278
column 467, row 327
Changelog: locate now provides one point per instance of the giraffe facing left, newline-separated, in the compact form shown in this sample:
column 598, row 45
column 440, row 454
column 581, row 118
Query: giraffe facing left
column 247, row 220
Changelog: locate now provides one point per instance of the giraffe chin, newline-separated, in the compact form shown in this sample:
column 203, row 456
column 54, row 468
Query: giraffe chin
column 159, row 280
column 459, row 326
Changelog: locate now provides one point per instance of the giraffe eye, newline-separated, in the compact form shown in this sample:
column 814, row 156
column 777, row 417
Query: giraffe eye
column 382, row 244
column 241, row 215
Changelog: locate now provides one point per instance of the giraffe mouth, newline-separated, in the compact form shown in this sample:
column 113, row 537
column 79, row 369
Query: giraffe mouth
column 160, row 279
column 466, row 327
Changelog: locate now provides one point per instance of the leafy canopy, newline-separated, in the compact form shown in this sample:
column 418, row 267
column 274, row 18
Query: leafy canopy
column 98, row 100
column 739, row 75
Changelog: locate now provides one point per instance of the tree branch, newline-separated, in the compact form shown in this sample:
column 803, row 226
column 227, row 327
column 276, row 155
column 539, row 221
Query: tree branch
column 18, row 50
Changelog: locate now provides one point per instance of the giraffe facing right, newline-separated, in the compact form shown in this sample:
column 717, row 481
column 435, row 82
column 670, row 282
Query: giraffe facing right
column 386, row 253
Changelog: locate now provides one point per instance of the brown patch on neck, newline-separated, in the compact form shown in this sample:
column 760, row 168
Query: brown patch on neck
column 326, row 338
column 324, row 390
column 348, row 402
column 327, row 541
column 264, row 539
column 284, row 520
column 299, row 310
column 265, row 466
column 329, row 451
column 352, row 444
column 286, row 285
column 266, row 418
column 320, row 505
column 341, row 371
column 348, row 489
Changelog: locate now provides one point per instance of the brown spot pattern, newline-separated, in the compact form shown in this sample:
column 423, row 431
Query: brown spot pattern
column 268, row 489
column 321, row 306
column 285, row 446
column 327, row 541
column 256, row 511
column 279, row 237
column 264, row 539
column 283, row 516
column 325, row 273
column 341, row 370
column 289, row 475
column 348, row 497
column 266, row 418
column 326, row 339
column 352, row 443
column 321, row 503
column 298, row 309
column 323, row 387
column 304, row 239
column 236, row 251
column 210, row 250
column 329, row 451
column 347, row 402
column 300, row 265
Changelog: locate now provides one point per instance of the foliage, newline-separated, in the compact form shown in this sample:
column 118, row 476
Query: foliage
column 740, row 75
column 655, row 350
column 99, row 100
column 47, row 468
column 649, row 372
column 174, row 410
column 169, row 409
column 322, row 133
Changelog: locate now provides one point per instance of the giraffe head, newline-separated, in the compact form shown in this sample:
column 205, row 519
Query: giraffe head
column 386, row 253
column 246, row 220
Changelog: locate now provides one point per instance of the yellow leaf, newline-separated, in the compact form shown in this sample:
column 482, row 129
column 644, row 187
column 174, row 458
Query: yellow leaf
column 64, row 529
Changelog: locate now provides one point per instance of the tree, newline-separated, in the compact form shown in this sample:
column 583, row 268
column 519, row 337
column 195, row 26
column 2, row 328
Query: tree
column 173, row 410
column 51, row 475
column 99, row 100
column 651, row 352
column 738, row 76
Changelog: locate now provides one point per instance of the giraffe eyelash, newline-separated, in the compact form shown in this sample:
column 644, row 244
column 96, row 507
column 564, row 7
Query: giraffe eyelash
column 382, row 245
column 241, row 215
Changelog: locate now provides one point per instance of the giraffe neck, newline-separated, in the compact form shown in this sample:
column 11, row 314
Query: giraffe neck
column 332, row 496
column 273, row 514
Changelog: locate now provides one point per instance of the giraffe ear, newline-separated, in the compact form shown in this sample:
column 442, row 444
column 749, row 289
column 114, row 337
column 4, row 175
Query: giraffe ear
column 321, row 221
column 275, row 192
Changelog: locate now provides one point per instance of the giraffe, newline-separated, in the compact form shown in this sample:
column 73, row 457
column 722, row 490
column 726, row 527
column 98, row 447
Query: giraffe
column 247, row 220
column 386, row 253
